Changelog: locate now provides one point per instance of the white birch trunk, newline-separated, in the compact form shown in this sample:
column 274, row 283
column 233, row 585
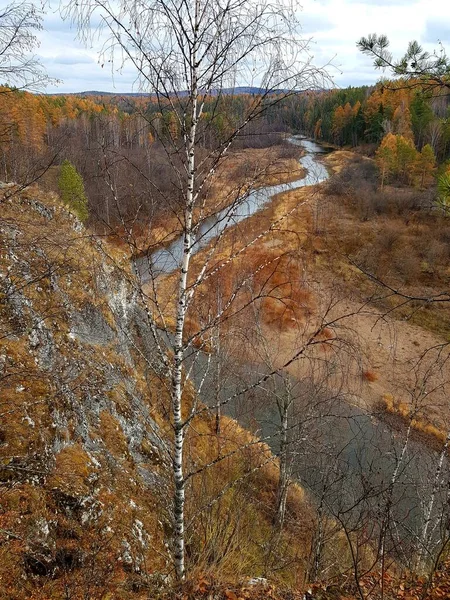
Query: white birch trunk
column 182, row 305
column 387, row 518
column 283, row 483
column 425, row 537
column 178, row 423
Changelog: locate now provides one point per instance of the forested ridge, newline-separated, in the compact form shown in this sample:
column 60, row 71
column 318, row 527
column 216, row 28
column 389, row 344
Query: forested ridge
column 364, row 115
column 40, row 131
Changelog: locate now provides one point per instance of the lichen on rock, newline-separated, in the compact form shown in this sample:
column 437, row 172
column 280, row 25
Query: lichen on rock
column 76, row 485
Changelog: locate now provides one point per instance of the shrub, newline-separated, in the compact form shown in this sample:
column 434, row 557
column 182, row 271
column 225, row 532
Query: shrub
column 71, row 189
column 354, row 177
column 370, row 375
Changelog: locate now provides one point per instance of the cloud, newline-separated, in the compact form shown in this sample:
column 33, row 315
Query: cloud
column 314, row 23
column 334, row 26
column 86, row 76
column 386, row 3
column 73, row 58
column 54, row 22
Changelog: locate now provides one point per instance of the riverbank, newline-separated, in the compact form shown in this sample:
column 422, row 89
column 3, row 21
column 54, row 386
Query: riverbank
column 248, row 202
column 261, row 167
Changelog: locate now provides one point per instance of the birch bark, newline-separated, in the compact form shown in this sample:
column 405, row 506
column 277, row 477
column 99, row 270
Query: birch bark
column 177, row 371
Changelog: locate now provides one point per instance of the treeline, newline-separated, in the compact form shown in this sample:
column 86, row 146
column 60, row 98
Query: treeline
column 115, row 143
column 32, row 124
column 364, row 115
column 37, row 121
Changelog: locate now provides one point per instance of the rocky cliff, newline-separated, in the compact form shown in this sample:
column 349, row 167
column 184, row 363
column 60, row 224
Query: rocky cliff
column 85, row 439
column 82, row 455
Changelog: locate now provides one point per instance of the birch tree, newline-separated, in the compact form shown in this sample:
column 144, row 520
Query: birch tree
column 188, row 53
column 19, row 24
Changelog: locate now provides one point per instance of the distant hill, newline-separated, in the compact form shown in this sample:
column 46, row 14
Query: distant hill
column 227, row 91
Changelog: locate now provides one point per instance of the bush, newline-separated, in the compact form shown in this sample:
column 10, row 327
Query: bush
column 357, row 183
column 370, row 375
column 71, row 189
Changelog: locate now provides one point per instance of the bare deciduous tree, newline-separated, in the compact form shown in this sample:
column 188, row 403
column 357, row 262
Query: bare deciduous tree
column 19, row 23
column 186, row 52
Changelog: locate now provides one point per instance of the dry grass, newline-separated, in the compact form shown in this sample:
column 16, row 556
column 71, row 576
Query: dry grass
column 403, row 416
column 233, row 531
column 393, row 235
column 71, row 471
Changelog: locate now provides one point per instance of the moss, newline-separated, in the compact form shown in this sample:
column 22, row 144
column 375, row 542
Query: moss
column 25, row 499
column 120, row 397
column 150, row 452
column 112, row 435
column 71, row 471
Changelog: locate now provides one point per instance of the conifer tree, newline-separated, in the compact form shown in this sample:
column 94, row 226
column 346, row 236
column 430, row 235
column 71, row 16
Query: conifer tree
column 386, row 157
column 71, row 189
column 425, row 164
column 444, row 192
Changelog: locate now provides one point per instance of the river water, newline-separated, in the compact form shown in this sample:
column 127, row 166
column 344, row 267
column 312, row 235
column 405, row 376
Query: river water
column 167, row 259
column 345, row 456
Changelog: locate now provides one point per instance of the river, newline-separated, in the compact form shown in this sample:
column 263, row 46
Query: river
column 167, row 259
column 345, row 456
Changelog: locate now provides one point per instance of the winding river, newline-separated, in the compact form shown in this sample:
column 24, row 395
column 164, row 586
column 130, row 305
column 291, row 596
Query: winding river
column 167, row 259
column 347, row 452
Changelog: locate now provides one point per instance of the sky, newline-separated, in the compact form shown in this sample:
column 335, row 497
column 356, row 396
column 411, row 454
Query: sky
column 334, row 27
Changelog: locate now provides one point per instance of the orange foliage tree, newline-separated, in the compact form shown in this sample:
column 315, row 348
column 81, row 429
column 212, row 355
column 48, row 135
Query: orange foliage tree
column 396, row 157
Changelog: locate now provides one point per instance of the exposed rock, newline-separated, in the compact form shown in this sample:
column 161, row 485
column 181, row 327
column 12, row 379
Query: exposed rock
column 89, row 326
column 83, row 461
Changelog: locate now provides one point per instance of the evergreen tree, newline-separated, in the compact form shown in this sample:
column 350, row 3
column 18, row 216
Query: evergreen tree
column 421, row 116
column 375, row 129
column 444, row 192
column 71, row 189
column 417, row 67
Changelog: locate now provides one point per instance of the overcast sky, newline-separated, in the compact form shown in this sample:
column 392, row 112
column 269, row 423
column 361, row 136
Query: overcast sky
column 334, row 25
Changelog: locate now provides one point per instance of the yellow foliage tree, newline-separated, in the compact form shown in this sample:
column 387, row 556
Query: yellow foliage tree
column 385, row 157
column 396, row 156
column 425, row 165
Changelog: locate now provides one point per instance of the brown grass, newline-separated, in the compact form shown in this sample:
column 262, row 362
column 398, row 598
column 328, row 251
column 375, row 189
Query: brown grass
column 71, row 470
column 402, row 416
column 230, row 535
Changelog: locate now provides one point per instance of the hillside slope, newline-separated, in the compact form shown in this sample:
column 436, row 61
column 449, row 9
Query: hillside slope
column 85, row 481
column 82, row 455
